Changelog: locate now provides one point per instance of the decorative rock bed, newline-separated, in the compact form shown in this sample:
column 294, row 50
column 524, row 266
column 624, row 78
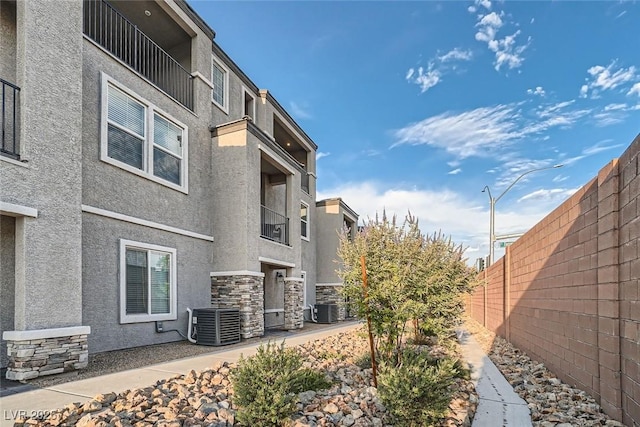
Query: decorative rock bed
column 205, row 398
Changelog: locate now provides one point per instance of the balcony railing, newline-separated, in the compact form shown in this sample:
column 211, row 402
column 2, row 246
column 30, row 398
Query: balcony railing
column 110, row 29
column 274, row 226
column 304, row 178
column 10, row 120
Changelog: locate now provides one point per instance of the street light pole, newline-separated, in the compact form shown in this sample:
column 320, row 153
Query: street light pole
column 492, row 207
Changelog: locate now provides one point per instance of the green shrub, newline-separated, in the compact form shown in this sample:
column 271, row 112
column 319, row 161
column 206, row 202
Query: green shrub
column 417, row 392
column 266, row 385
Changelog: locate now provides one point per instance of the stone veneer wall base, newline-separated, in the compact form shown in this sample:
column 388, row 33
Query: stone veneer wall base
column 243, row 292
column 43, row 352
column 331, row 294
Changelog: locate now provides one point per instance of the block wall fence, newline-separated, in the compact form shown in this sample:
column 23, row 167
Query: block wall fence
column 568, row 291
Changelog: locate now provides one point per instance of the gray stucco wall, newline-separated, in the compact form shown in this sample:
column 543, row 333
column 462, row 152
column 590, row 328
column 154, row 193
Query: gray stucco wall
column 101, row 292
column 8, row 41
column 7, row 280
column 328, row 226
column 110, row 187
column 49, row 251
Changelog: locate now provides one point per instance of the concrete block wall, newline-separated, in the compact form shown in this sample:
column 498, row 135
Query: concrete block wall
column 568, row 293
column 494, row 299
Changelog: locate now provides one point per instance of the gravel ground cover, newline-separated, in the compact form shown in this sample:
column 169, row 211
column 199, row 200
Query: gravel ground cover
column 552, row 403
column 206, row 398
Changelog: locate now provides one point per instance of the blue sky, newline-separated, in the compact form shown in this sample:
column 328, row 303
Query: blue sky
column 418, row 105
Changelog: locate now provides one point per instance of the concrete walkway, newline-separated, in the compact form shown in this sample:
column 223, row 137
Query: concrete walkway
column 38, row 402
column 499, row 405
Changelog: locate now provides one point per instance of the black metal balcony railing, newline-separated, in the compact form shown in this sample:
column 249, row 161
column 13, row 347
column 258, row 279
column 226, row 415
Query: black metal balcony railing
column 304, row 178
column 10, row 120
column 274, row 226
column 106, row 26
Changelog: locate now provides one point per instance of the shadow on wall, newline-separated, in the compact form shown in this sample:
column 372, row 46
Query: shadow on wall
column 567, row 292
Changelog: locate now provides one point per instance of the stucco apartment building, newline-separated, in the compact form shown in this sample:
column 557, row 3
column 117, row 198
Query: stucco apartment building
column 141, row 173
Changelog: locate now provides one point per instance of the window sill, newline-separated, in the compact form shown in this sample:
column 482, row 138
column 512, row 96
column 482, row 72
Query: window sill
column 146, row 318
column 145, row 175
column 22, row 163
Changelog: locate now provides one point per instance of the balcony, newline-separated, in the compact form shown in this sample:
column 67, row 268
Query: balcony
column 10, row 120
column 274, row 226
column 118, row 35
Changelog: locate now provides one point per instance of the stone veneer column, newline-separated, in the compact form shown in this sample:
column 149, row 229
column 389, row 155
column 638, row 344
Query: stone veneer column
column 45, row 352
column 244, row 291
column 332, row 294
column 293, row 301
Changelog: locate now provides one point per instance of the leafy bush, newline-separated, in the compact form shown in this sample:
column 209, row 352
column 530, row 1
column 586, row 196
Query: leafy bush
column 265, row 385
column 417, row 392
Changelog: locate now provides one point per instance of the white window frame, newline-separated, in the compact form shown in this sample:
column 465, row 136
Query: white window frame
column 173, row 306
column 246, row 92
column 308, row 222
column 225, row 93
column 150, row 112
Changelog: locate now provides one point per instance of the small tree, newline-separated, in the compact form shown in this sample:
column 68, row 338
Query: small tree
column 410, row 277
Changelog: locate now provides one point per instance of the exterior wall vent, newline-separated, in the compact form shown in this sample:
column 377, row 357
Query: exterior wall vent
column 326, row 313
column 216, row 326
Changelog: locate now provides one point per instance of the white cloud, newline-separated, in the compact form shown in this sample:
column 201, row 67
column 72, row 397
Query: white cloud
column 299, row 111
column 454, row 172
column 612, row 114
column 466, row 220
column 548, row 194
column 560, row 178
column 484, row 3
column 635, row 89
column 600, row 147
column 507, row 51
column 482, row 131
column 321, row 154
column 426, row 80
column 537, row 91
column 456, row 54
column 488, row 27
column 437, row 68
column 606, row 78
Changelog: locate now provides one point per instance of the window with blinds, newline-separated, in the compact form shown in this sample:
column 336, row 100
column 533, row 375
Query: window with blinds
column 142, row 139
column 148, row 283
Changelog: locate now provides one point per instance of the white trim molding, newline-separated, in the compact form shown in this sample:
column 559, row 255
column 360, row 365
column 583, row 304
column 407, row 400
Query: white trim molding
column 39, row 334
column 205, row 80
column 276, row 262
column 237, row 273
column 10, row 209
column 330, row 284
column 144, row 222
column 294, row 279
column 22, row 163
column 273, row 310
column 276, row 158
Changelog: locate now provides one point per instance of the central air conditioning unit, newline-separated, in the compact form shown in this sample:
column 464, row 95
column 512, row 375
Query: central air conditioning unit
column 326, row 313
column 216, row 326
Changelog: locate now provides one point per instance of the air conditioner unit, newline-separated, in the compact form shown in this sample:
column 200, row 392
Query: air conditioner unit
column 216, row 326
column 326, row 313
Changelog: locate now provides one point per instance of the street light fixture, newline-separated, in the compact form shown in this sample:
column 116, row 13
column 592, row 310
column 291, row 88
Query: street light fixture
column 492, row 207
